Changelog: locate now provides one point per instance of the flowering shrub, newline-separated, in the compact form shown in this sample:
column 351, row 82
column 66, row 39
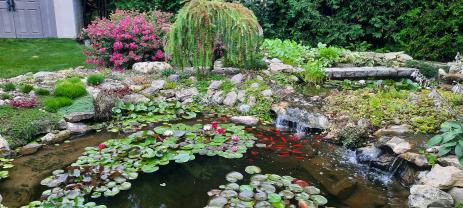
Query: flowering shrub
column 125, row 38
column 24, row 102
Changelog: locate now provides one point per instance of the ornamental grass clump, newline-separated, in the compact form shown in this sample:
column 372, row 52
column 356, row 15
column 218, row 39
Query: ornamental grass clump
column 126, row 37
column 207, row 30
column 71, row 87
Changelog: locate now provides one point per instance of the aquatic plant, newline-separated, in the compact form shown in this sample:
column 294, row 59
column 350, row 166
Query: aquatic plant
column 5, row 164
column 131, row 117
column 265, row 190
column 204, row 28
column 107, row 169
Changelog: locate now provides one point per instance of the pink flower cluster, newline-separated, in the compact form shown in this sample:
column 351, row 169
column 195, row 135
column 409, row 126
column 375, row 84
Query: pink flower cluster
column 24, row 102
column 125, row 38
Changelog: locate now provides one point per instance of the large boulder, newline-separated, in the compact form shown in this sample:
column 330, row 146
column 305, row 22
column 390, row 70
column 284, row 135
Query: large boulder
column 156, row 85
column 56, row 137
column 415, row 158
column 150, row 67
column 237, row 79
column 457, row 194
column 230, row 99
column 4, row 146
column 186, row 93
column 30, row 149
column 443, row 177
column 79, row 128
column 423, row 196
column 78, row 116
column 450, row 160
column 41, row 76
column 103, row 103
column 246, row 120
column 397, row 144
column 394, row 130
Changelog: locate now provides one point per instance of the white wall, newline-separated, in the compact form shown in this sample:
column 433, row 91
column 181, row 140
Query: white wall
column 68, row 15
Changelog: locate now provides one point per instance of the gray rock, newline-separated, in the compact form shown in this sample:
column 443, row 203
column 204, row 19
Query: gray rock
column 135, row 98
column 422, row 196
column 78, row 116
column 168, row 93
column 237, row 79
column 150, row 67
column 457, row 194
column 156, row 85
column 252, row 101
column 397, row 144
column 244, row 108
column 241, row 95
column 246, row 120
column 218, row 97
column 443, row 177
column 415, row 158
column 186, row 93
column 30, row 149
column 394, row 130
column 103, row 103
column 267, row 93
column 255, row 85
column 280, row 67
column 450, row 160
column 56, row 137
column 41, row 76
column 215, row 85
column 4, row 146
column 230, row 98
column 79, row 128
column 173, row 77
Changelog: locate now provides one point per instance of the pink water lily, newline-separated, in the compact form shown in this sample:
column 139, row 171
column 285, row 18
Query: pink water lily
column 235, row 138
column 234, row 148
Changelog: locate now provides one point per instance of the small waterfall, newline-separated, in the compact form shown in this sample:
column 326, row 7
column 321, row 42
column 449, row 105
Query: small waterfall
column 299, row 121
column 398, row 161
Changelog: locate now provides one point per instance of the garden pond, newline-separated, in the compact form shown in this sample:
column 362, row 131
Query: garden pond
column 332, row 169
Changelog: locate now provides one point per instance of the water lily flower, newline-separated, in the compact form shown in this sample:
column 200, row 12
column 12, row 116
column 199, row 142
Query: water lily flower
column 215, row 125
column 235, row 138
column 207, row 127
column 168, row 133
column 101, row 146
column 234, row 148
column 221, row 131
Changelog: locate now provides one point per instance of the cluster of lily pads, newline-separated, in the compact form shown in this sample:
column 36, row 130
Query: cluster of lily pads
column 130, row 117
column 265, row 190
column 5, row 164
column 107, row 169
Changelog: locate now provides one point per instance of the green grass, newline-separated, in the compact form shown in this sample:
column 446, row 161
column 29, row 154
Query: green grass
column 19, row 56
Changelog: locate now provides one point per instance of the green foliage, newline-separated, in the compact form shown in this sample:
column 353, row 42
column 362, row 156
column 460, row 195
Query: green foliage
column 82, row 104
column 313, row 73
column 42, row 91
column 427, row 69
column 204, row 28
column 8, row 87
column 95, row 79
column 450, row 140
column 5, row 96
column 353, row 136
column 432, row 29
column 170, row 85
column 432, row 158
column 71, row 87
column 55, row 103
column 144, row 6
column 5, row 164
column 167, row 72
column 227, row 86
column 288, row 51
column 20, row 125
column 26, row 88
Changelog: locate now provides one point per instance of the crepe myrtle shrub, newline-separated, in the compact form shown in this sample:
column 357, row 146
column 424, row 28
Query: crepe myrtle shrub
column 126, row 37
column 207, row 30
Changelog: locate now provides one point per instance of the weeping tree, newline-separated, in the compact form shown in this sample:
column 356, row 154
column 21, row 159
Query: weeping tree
column 206, row 30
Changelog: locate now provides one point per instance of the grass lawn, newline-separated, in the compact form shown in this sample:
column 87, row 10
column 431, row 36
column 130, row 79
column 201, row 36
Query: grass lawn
column 19, row 56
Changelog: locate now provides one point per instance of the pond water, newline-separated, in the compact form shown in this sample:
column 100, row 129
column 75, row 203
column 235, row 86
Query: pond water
column 332, row 169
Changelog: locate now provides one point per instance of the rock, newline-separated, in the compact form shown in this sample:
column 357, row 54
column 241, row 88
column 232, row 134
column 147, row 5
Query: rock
column 422, row 196
column 280, row 67
column 244, row 108
column 173, row 77
column 156, row 85
column 215, row 85
column 103, row 103
column 367, row 154
column 395, row 130
column 56, row 137
column 237, row 79
column 415, row 158
column 457, row 194
column 41, row 76
column 78, row 116
column 443, row 177
column 267, row 93
column 150, row 67
column 79, row 128
column 252, row 101
column 230, row 99
column 397, row 144
column 383, row 162
column 255, row 85
column 4, row 146
column 304, row 119
column 135, row 98
column 186, row 93
column 218, row 97
column 450, row 160
column 241, row 95
column 246, row 120
column 30, row 149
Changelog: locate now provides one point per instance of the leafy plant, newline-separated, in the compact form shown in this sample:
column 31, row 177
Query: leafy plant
column 54, row 104
column 167, row 72
column 288, row 51
column 42, row 91
column 26, row 88
column 5, row 96
column 71, row 87
column 203, row 29
column 450, row 139
column 170, row 85
column 9, row 87
column 313, row 73
column 432, row 158
column 426, row 69
column 95, row 79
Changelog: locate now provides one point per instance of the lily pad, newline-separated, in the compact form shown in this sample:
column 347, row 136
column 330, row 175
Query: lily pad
column 252, row 170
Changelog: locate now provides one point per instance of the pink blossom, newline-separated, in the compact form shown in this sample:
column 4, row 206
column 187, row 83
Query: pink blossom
column 235, row 138
column 101, row 146
column 221, row 131
column 117, row 46
column 234, row 148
